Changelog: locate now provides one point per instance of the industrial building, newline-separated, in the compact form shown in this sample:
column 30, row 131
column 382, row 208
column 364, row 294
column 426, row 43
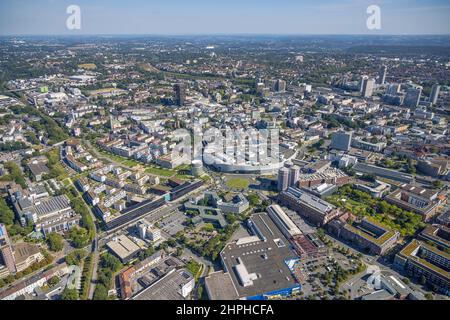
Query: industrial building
column 136, row 211
column 259, row 264
column 283, row 222
column 321, row 190
column 177, row 284
column 220, row 286
column 184, row 189
column 329, row 175
column 123, row 248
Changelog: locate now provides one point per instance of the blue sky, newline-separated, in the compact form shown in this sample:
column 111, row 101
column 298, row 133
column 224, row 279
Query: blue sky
column 224, row 17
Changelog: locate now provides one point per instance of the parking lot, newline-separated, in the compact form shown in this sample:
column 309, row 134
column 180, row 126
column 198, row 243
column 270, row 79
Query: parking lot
column 173, row 223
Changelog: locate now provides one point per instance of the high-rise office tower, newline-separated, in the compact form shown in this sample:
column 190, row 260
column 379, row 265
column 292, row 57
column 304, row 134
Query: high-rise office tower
column 394, row 89
column 281, row 85
column 271, row 84
column 6, row 251
column 435, row 93
column 180, row 94
column 363, row 78
column 382, row 75
column 283, row 179
column 412, row 97
column 294, row 175
column 341, row 140
column 367, row 87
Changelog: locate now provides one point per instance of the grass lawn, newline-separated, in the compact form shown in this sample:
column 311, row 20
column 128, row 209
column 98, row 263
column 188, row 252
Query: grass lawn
column 182, row 176
column 160, row 171
column 237, row 183
column 195, row 268
column 131, row 163
column 184, row 167
column 111, row 156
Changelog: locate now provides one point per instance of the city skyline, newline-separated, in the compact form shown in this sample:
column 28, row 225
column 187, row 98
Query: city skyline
column 199, row 17
column 195, row 151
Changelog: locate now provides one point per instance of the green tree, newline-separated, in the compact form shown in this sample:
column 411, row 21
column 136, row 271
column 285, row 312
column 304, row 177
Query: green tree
column 110, row 262
column 208, row 227
column 15, row 174
column 69, row 294
column 438, row 184
column 253, row 199
column 55, row 242
column 101, row 292
column 79, row 237
column 6, row 214
column 53, row 281
column 75, row 257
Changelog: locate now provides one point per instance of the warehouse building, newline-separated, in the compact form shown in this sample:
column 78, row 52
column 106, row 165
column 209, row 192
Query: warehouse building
column 257, row 264
column 177, row 284
column 123, row 248
column 283, row 222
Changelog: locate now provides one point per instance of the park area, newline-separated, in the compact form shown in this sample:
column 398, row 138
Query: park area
column 237, row 183
column 362, row 204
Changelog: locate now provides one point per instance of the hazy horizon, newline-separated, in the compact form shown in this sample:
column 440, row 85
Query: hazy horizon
column 228, row 35
column 203, row 17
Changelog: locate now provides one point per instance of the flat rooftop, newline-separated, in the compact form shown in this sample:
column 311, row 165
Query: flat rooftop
column 378, row 238
column 418, row 191
column 438, row 234
column 168, row 287
column 445, row 218
column 383, row 172
column 263, row 258
column 310, row 200
column 45, row 206
column 220, row 286
column 123, row 247
column 411, row 250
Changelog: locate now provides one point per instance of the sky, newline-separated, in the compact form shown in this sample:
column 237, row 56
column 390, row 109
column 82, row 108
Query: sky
column 183, row 17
